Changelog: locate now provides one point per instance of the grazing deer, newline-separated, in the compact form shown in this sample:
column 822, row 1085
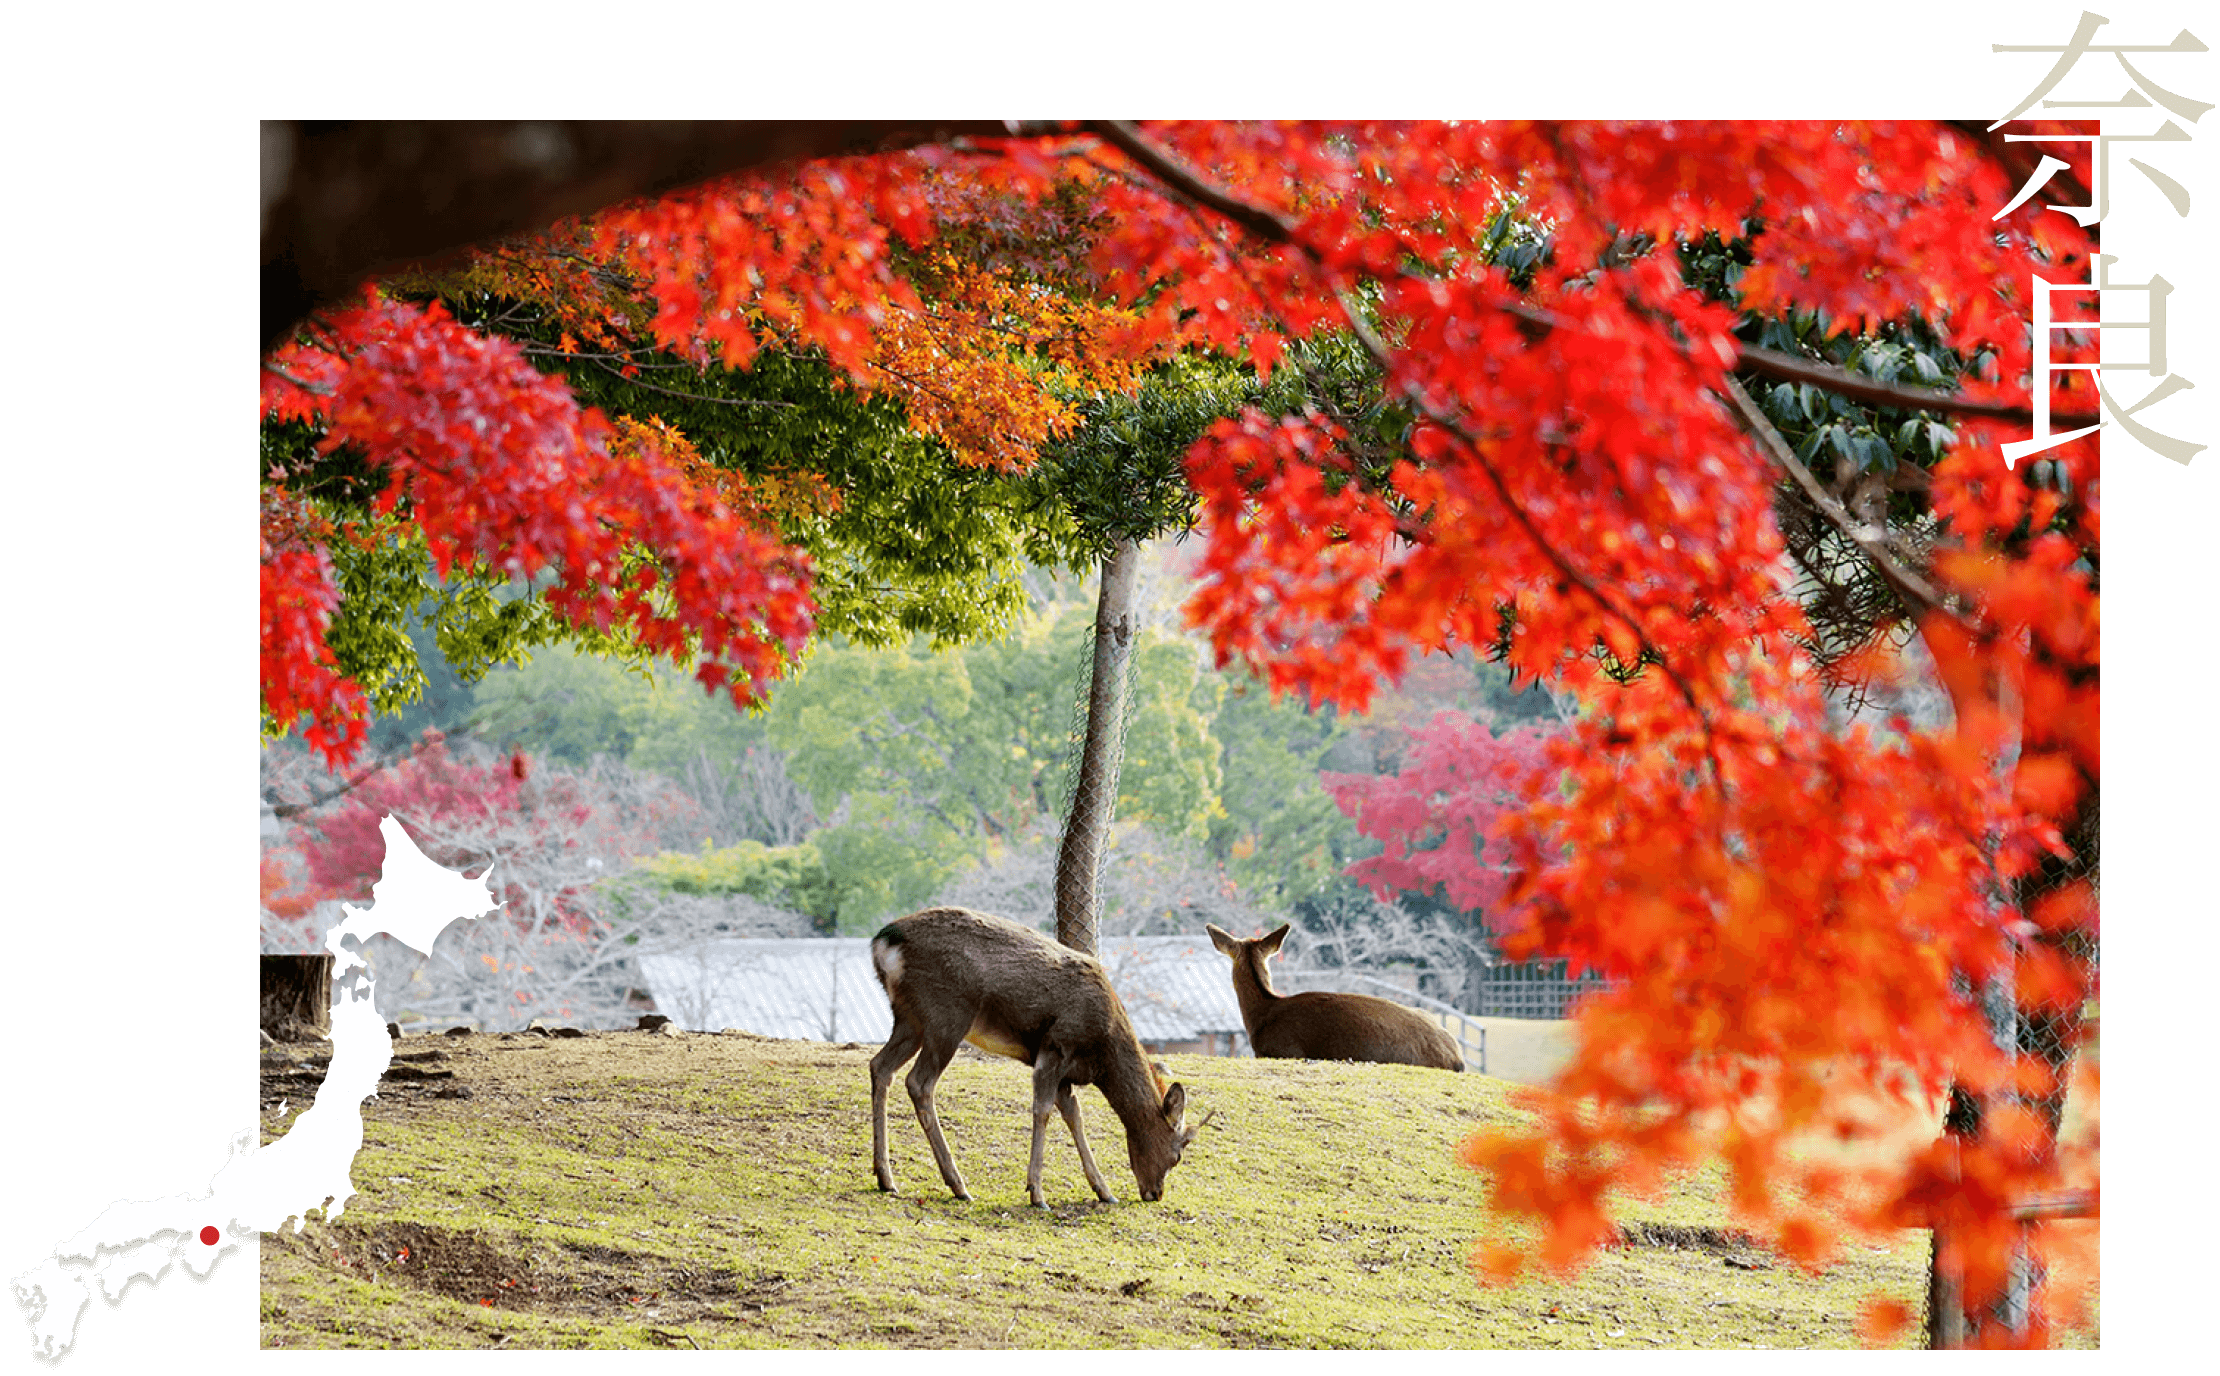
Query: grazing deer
column 953, row 976
column 1327, row 1027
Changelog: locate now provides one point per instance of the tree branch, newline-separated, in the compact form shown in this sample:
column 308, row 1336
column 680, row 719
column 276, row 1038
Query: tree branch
column 1911, row 587
column 1916, row 591
column 1764, row 362
column 285, row 810
column 1788, row 368
column 668, row 391
column 1121, row 135
column 312, row 388
column 1262, row 222
column 345, row 200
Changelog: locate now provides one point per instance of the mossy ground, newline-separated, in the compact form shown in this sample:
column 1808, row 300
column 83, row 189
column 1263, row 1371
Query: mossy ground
column 627, row 1189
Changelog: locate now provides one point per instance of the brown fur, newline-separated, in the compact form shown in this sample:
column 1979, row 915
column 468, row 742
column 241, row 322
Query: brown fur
column 953, row 976
column 1327, row 1027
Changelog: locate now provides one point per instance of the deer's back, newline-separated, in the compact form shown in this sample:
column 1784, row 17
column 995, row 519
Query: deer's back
column 1320, row 1026
column 1010, row 986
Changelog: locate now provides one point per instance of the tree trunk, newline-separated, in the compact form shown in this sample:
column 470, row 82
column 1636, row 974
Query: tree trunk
column 1093, row 797
column 2048, row 1032
column 296, row 997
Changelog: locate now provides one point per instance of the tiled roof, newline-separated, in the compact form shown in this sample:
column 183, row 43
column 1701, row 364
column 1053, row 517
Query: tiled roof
column 1175, row 988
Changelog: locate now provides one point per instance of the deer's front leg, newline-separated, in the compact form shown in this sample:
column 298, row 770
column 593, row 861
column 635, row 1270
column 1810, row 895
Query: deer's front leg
column 1067, row 1100
column 1048, row 1075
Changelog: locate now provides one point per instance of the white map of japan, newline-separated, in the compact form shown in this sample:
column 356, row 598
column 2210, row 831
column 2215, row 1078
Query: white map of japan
column 260, row 1189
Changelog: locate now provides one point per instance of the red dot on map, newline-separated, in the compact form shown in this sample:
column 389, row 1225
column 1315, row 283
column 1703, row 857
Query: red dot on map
column 209, row 1235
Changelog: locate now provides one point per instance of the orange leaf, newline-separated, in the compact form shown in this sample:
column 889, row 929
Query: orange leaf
column 1880, row 1320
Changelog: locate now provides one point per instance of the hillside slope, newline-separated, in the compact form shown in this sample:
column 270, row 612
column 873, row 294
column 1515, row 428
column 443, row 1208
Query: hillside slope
column 628, row 1189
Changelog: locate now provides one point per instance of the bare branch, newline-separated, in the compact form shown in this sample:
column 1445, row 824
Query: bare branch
column 676, row 392
column 1788, row 368
column 285, row 810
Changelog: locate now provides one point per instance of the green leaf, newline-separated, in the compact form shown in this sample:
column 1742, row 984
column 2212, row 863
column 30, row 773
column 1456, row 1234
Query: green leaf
column 1839, row 440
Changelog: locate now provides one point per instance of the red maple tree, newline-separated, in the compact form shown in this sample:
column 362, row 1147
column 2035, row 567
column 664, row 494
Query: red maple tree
column 1439, row 815
column 1584, row 485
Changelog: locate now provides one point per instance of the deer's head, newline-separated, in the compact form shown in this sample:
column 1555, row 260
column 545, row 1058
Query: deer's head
column 1249, row 954
column 1155, row 1151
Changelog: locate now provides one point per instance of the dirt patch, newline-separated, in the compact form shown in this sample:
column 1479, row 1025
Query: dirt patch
column 291, row 1075
column 1731, row 1245
column 583, row 1281
column 460, row 1266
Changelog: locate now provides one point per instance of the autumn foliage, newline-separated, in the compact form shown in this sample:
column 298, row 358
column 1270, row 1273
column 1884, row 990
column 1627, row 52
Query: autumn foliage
column 499, row 466
column 1573, row 493
column 1439, row 816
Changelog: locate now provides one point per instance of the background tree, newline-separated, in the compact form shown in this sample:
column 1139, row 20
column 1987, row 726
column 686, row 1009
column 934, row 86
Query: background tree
column 1122, row 473
column 1441, row 815
column 946, row 758
column 1123, row 476
column 558, row 948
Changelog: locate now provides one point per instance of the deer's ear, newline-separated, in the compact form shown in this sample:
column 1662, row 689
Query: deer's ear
column 1220, row 939
column 1175, row 1104
column 1270, row 941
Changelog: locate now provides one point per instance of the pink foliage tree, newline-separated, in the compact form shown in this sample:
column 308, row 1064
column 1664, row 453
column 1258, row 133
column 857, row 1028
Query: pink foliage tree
column 1439, row 813
column 554, row 838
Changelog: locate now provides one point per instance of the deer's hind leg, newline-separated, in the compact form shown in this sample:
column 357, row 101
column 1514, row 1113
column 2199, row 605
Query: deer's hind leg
column 937, row 1049
column 899, row 1048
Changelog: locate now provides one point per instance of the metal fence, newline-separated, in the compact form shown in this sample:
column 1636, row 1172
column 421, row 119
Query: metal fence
column 1533, row 989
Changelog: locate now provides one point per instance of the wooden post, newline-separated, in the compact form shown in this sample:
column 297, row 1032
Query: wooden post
column 1946, row 1312
column 296, row 997
column 1948, row 1325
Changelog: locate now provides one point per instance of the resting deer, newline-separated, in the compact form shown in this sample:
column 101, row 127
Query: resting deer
column 1327, row 1027
column 953, row 976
